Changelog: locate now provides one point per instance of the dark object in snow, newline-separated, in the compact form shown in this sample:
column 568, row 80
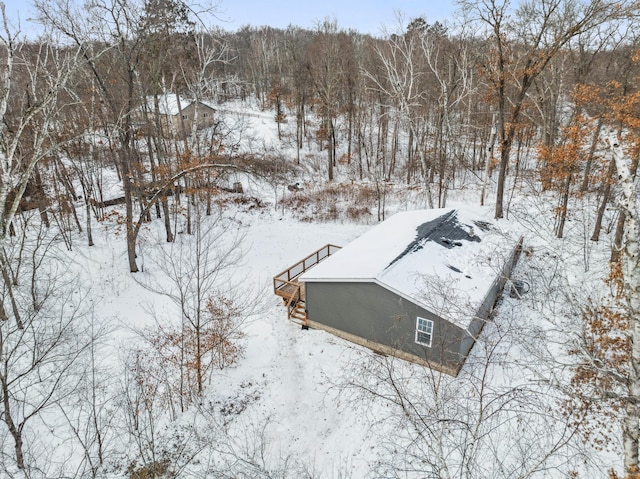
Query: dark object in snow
column 450, row 243
column 110, row 202
column 518, row 288
column 294, row 187
column 483, row 225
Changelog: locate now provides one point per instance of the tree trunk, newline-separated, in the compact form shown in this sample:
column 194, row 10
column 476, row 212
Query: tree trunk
column 199, row 379
column 167, row 219
column 563, row 206
column 299, row 137
column 410, row 155
column 616, row 249
column 160, row 152
column 16, row 431
column 128, row 202
column 88, row 213
column 188, row 201
column 603, row 204
column 350, row 133
column 631, row 279
column 394, row 150
column 502, row 174
column 41, row 197
column 183, row 128
column 592, row 151
column 508, row 131
column 12, row 298
column 330, row 147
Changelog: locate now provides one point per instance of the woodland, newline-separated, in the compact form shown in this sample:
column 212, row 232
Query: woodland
column 530, row 109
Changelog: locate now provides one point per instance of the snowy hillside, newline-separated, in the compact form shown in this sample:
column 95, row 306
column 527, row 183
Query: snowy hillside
column 303, row 403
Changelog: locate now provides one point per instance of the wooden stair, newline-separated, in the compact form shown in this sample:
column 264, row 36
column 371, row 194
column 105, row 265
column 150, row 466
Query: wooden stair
column 299, row 313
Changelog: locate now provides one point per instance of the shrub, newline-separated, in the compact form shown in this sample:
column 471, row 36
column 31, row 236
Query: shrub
column 178, row 360
column 155, row 470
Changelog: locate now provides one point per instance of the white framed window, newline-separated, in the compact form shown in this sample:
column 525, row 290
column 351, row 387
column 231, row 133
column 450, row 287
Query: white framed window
column 424, row 331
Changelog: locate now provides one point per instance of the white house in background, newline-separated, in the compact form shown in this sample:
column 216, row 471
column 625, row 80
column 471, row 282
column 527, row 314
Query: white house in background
column 178, row 114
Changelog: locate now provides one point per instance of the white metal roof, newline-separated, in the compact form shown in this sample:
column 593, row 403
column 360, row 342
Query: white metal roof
column 168, row 104
column 443, row 259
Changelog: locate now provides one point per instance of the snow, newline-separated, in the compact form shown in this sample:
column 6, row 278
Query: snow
column 168, row 104
column 289, row 370
column 391, row 255
column 251, row 130
column 292, row 385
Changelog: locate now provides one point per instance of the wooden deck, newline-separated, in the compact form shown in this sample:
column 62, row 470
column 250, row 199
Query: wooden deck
column 289, row 289
column 287, row 286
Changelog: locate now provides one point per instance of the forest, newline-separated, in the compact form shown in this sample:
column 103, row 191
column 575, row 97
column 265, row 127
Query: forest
column 141, row 134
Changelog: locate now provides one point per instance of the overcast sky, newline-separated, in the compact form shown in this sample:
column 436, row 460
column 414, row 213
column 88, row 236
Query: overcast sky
column 366, row 16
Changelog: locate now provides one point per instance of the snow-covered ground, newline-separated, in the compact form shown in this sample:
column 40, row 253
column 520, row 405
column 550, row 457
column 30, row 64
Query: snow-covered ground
column 292, row 389
column 295, row 404
column 284, row 380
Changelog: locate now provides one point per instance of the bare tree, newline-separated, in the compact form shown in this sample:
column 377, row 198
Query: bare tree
column 112, row 26
column 630, row 268
column 450, row 66
column 495, row 420
column 520, row 50
column 401, row 82
column 27, row 116
column 326, row 56
column 90, row 411
column 212, row 310
column 41, row 349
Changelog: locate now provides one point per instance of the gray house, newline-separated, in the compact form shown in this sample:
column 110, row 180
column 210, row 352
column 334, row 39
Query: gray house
column 418, row 286
column 178, row 115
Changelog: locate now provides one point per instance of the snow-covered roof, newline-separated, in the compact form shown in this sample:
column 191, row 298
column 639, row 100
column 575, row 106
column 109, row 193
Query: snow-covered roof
column 168, row 103
column 443, row 259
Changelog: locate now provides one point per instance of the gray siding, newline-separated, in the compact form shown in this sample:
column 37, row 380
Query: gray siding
column 374, row 313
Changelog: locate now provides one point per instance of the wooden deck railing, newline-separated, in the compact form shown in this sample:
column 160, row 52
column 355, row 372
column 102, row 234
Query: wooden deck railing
column 285, row 284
